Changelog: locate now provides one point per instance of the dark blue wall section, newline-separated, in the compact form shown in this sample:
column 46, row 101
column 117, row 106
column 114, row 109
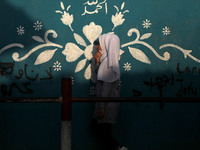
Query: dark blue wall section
column 30, row 126
column 142, row 126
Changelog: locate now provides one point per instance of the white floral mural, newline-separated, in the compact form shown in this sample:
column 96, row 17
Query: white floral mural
column 91, row 32
column 79, row 49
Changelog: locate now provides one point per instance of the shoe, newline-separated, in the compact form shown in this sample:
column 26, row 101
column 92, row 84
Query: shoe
column 123, row 148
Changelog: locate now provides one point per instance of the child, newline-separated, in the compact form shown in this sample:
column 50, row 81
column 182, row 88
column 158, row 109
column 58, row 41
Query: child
column 108, row 74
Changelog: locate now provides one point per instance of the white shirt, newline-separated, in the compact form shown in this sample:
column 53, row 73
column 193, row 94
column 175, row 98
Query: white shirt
column 109, row 70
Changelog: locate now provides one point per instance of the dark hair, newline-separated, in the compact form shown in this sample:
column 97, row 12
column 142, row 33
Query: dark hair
column 96, row 42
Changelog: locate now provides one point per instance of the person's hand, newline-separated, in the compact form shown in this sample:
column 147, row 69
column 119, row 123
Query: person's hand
column 101, row 113
column 97, row 57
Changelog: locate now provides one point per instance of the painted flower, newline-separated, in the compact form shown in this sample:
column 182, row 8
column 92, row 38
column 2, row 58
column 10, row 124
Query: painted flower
column 20, row 30
column 57, row 66
column 146, row 24
column 166, row 31
column 92, row 90
column 73, row 52
column 37, row 25
column 72, row 78
column 66, row 19
column 118, row 19
column 127, row 66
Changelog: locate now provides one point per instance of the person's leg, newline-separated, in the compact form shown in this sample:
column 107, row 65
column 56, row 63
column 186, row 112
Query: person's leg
column 99, row 85
column 115, row 90
column 104, row 133
column 110, row 89
column 106, row 89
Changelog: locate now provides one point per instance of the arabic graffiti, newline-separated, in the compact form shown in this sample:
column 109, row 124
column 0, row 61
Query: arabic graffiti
column 6, row 68
column 22, row 87
column 7, row 91
column 22, row 72
column 186, row 90
column 33, row 76
column 185, row 87
column 136, row 93
column 164, row 82
column 187, row 69
column 160, row 82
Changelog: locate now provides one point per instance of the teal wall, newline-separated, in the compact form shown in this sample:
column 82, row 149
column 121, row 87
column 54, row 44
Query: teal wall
column 43, row 41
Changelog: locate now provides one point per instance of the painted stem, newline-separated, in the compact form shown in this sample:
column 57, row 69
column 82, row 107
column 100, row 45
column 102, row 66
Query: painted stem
column 16, row 55
column 11, row 46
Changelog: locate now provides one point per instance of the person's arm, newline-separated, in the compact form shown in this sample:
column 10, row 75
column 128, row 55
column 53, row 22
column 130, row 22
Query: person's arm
column 97, row 57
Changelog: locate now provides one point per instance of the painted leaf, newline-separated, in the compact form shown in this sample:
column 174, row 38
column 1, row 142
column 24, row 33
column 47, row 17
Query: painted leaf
column 139, row 55
column 68, row 7
column 122, row 6
column 58, row 11
column 80, row 65
column 38, row 39
column 121, row 52
column 72, row 52
column 111, row 32
column 88, row 72
column 126, row 11
column 146, row 36
column 62, row 5
column 80, row 40
column 45, row 56
column 116, row 8
column 88, row 52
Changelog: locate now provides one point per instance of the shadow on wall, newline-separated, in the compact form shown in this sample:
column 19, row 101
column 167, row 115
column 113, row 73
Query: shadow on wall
column 17, row 28
column 45, row 83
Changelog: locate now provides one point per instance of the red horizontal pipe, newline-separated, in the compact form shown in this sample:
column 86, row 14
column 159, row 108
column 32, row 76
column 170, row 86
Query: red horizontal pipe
column 68, row 99
column 137, row 99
